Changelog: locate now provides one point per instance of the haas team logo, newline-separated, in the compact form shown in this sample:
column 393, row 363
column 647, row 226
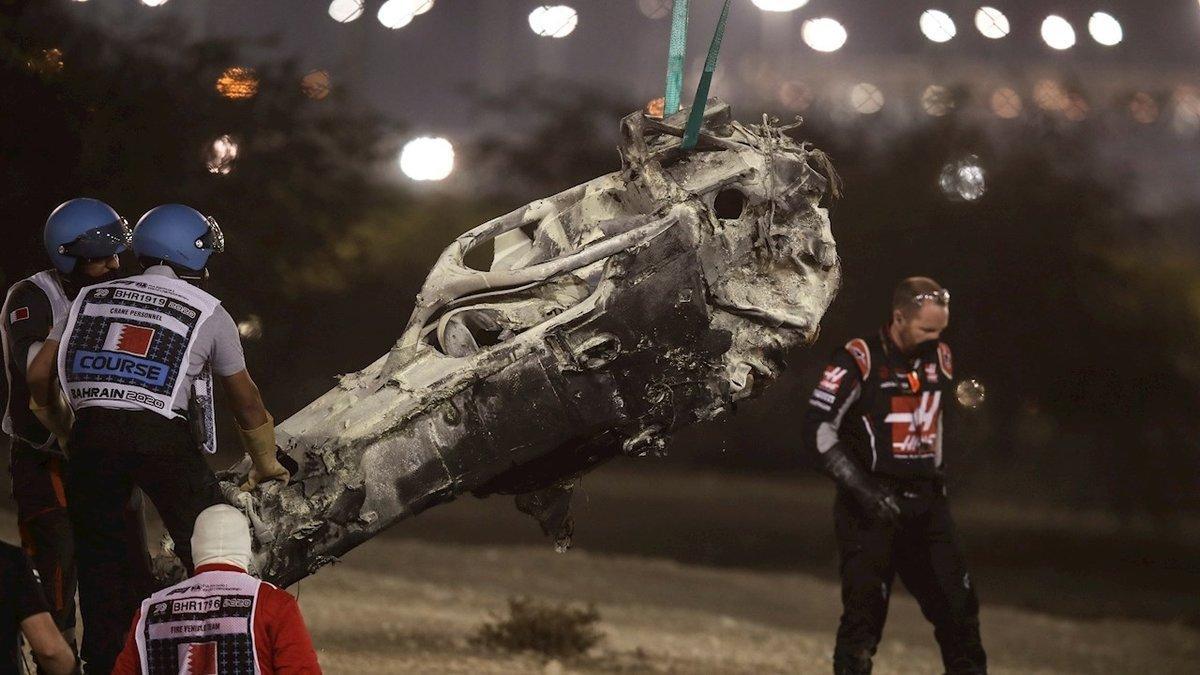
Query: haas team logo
column 831, row 380
column 129, row 339
column 914, row 424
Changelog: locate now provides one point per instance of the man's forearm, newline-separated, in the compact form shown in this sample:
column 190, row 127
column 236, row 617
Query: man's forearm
column 40, row 376
column 837, row 464
column 49, row 649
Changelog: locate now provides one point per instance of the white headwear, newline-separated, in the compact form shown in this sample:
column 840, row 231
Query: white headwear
column 221, row 535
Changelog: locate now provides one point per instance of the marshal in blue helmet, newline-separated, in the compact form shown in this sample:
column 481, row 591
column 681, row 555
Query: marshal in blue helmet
column 83, row 238
column 138, row 362
column 179, row 236
column 84, row 229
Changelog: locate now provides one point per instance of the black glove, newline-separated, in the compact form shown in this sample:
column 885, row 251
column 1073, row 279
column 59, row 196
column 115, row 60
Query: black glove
column 879, row 503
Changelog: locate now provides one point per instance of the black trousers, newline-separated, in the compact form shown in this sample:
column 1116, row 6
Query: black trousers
column 38, row 490
column 112, row 452
column 923, row 550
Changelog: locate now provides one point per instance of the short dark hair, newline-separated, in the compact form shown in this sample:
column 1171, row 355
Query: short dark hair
column 907, row 291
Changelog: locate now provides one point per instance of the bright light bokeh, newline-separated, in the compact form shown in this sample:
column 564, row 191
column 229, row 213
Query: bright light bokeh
column 154, row 3
column 795, row 95
column 1143, row 108
column 866, row 98
column 937, row 100
column 779, row 5
column 316, row 84
column 251, row 328
column 1050, row 95
column 655, row 9
column 428, row 158
column 345, row 11
column 1006, row 103
column 991, row 23
column 1186, row 119
column 1077, row 108
column 394, row 14
column 824, row 34
column 937, row 25
column 970, row 394
column 556, row 21
column 416, row 7
column 963, row 180
column 1058, row 33
column 238, row 83
column 1105, row 29
column 220, row 155
column 50, row 62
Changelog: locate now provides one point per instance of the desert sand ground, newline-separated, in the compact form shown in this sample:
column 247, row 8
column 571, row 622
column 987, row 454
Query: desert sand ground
column 410, row 601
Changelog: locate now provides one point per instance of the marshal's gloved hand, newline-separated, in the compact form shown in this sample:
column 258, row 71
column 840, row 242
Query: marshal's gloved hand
column 260, row 445
column 879, row 502
column 56, row 416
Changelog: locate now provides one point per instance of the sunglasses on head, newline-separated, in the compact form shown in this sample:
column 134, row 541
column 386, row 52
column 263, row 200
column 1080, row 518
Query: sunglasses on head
column 941, row 297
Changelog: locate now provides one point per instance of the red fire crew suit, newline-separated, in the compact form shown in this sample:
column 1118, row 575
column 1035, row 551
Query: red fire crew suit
column 281, row 640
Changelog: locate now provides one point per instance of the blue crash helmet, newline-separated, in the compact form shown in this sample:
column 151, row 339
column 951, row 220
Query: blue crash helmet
column 86, row 229
column 179, row 235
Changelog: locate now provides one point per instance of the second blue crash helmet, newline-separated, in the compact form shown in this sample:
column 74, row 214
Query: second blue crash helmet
column 85, row 229
column 179, row 235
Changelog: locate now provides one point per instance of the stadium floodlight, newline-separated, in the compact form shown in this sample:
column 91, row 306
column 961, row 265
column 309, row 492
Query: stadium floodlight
column 824, row 34
column 428, row 158
column 1105, row 29
column 991, row 23
column 937, row 25
column 394, row 14
column 345, row 11
column 779, row 5
column 1058, row 33
column 416, row 7
column 556, row 21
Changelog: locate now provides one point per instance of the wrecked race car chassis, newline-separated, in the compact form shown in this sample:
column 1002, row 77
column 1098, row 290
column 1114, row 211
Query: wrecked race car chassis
column 612, row 314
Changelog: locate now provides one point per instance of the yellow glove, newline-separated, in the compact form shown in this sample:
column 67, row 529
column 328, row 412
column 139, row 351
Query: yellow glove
column 260, row 445
column 56, row 416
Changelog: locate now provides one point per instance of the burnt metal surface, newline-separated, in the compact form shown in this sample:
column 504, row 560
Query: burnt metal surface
column 613, row 314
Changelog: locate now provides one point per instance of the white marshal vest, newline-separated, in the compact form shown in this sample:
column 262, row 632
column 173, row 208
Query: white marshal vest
column 202, row 626
column 59, row 306
column 127, row 343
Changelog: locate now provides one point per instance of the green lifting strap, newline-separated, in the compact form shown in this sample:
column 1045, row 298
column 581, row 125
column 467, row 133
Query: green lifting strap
column 675, row 54
column 691, row 133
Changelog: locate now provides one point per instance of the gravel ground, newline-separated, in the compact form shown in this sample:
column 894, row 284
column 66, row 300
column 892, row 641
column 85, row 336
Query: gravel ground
column 719, row 574
column 403, row 606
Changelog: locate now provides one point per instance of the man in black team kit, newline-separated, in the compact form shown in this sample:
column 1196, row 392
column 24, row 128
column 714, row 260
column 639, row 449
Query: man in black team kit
column 874, row 423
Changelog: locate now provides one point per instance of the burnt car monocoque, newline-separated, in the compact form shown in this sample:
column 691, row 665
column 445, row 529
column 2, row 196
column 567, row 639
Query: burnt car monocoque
column 613, row 313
